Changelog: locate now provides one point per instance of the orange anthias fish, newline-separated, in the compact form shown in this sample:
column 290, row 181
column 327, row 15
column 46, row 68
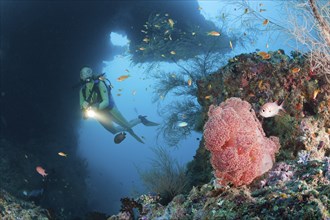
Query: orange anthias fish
column 265, row 22
column 264, row 55
column 122, row 78
column 208, row 97
column 213, row 33
column 271, row 109
column 41, row 171
column 295, row 70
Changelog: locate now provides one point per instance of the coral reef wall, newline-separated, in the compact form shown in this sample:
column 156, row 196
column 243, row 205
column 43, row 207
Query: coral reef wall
column 261, row 77
column 258, row 79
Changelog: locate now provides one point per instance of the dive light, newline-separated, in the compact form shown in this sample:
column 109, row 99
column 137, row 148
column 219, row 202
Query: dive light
column 90, row 113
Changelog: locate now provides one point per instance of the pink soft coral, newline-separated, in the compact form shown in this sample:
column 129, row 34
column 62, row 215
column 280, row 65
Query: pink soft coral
column 240, row 151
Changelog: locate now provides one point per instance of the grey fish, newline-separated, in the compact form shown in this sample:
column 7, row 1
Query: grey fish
column 119, row 137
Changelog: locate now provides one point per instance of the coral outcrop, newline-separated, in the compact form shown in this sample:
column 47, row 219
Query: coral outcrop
column 288, row 191
column 240, row 151
column 12, row 208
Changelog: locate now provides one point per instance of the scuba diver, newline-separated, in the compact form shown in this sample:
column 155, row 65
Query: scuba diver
column 96, row 101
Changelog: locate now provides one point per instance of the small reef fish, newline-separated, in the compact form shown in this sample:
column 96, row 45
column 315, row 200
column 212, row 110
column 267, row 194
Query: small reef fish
column 146, row 40
column 246, row 10
column 173, row 52
column 122, row 78
column 142, row 48
column 265, row 22
column 271, row 109
column 134, row 92
column 213, row 33
column 119, row 137
column 62, row 154
column 264, row 55
column 189, row 82
column 230, row 44
column 295, row 70
column 171, row 22
column 182, row 124
column 208, row 97
column 41, row 171
column 315, row 93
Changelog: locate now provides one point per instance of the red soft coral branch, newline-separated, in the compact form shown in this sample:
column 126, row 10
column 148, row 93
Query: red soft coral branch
column 240, row 150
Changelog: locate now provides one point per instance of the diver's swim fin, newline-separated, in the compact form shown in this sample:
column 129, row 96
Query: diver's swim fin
column 146, row 122
column 135, row 136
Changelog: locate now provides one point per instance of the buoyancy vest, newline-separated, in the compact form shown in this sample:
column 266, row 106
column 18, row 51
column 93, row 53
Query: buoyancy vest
column 96, row 89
